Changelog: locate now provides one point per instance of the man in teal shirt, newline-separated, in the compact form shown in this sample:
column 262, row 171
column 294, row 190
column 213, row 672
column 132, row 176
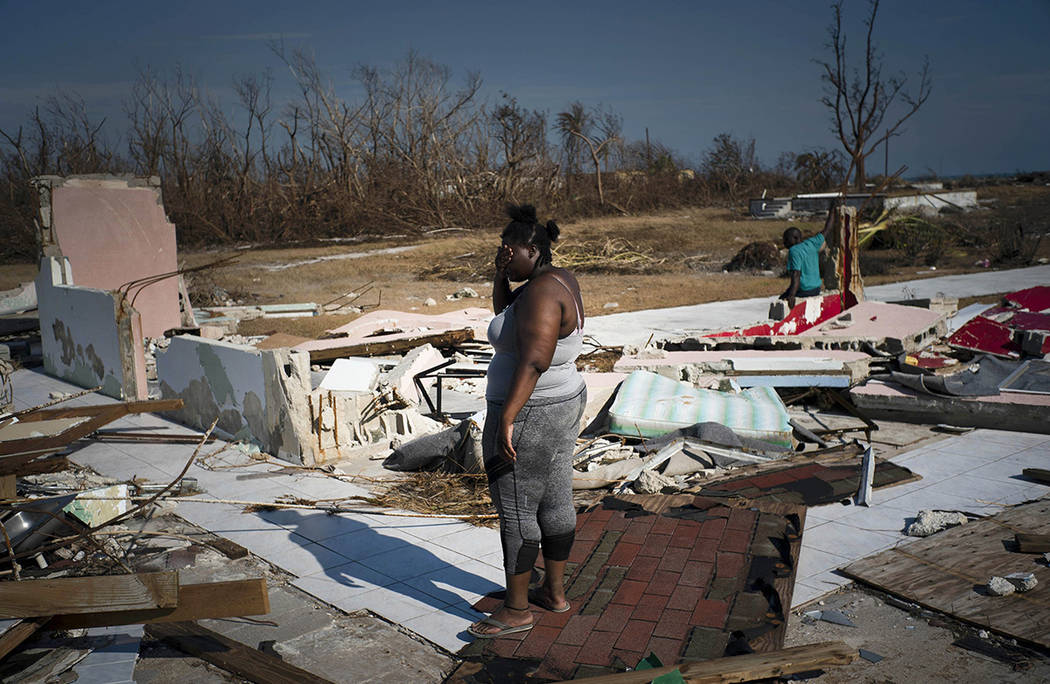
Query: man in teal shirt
column 803, row 265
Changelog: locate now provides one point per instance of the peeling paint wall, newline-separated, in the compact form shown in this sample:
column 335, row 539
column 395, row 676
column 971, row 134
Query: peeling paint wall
column 113, row 230
column 89, row 337
column 259, row 396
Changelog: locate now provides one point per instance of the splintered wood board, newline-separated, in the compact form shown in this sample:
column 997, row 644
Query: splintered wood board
column 947, row 571
column 46, row 597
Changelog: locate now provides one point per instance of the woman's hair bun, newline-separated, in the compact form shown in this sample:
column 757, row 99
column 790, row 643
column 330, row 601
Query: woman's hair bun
column 553, row 231
column 521, row 213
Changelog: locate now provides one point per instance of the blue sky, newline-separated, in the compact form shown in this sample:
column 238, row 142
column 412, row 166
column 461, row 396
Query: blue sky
column 686, row 70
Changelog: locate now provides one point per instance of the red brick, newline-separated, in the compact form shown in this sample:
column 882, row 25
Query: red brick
column 663, row 583
column 577, row 629
column 488, row 604
column 719, row 511
column 729, row 564
column 685, row 598
column 673, row 624
column 629, row 592
column 710, row 613
column 559, row 664
column 643, row 567
column 505, row 647
column 833, row 474
column 664, row 525
column 617, row 523
column 741, row 519
column 696, row 574
column 583, row 518
column 712, row 529
column 669, row 651
column 591, row 531
column 603, row 514
column 704, row 551
column 637, row 531
column 674, row 559
column 624, row 554
column 580, row 550
column 537, row 642
column 735, row 540
column 685, row 534
column 613, row 618
column 649, row 607
column 655, row 545
column 636, row 632
column 597, row 650
column 627, row 656
column 559, row 620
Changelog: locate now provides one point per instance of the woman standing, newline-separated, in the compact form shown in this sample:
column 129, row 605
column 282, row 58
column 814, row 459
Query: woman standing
column 535, row 399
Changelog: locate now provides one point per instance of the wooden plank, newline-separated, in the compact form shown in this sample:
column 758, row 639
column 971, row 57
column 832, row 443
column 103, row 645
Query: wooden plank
column 1037, row 474
column 7, row 487
column 743, row 668
column 230, row 655
column 142, row 406
column 37, row 598
column 947, row 571
column 102, row 416
column 1032, row 543
column 37, row 467
column 19, row 632
column 445, row 339
column 236, row 598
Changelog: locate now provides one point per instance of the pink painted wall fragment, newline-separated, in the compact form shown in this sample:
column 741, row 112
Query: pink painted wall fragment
column 113, row 231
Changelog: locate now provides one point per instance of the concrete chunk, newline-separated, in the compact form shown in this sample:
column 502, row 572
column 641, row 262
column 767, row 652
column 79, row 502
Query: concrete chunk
column 351, row 375
column 999, row 586
column 931, row 522
column 1022, row 581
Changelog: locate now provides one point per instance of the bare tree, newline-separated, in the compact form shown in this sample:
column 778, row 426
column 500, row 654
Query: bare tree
column 597, row 130
column 729, row 163
column 521, row 136
column 860, row 98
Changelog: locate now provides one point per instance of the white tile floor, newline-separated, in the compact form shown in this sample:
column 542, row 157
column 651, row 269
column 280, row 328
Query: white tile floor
column 979, row 472
column 424, row 573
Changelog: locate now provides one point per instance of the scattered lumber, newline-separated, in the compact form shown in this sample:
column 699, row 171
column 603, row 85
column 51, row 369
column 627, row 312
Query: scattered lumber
column 19, row 632
column 236, row 598
column 97, row 417
column 230, row 655
column 46, row 597
column 441, row 340
column 744, row 668
column 1032, row 543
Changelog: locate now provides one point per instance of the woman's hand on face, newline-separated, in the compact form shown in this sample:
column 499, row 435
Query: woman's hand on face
column 503, row 258
column 505, row 443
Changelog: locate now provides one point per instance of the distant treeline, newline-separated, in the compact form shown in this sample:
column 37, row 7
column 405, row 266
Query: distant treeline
column 415, row 152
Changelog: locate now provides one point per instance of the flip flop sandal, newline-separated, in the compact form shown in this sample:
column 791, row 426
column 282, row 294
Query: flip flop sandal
column 504, row 629
column 536, row 597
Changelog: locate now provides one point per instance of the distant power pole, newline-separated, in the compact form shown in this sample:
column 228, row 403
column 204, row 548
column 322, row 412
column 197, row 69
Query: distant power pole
column 648, row 149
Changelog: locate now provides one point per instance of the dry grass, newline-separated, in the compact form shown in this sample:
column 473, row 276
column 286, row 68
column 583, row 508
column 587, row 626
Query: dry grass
column 443, row 493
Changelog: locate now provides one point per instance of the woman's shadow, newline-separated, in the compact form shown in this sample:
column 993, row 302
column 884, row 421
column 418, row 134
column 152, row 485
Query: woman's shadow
column 397, row 563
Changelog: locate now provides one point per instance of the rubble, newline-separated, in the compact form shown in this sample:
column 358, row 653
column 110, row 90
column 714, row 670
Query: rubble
column 999, row 586
column 1022, row 581
column 931, row 522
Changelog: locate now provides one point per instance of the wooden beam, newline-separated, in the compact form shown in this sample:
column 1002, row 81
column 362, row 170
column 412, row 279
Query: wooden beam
column 97, row 417
column 743, row 668
column 445, row 339
column 45, row 597
column 196, row 602
column 230, row 655
column 10, row 466
column 1037, row 474
column 7, row 487
column 19, row 632
column 143, row 406
column 1032, row 543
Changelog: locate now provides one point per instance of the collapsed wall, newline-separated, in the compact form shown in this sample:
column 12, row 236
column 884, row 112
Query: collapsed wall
column 89, row 337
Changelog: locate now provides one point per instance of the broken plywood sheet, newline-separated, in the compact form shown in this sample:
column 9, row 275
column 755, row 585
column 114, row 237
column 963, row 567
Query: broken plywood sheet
column 1005, row 411
column 89, row 337
column 258, row 395
column 114, row 230
column 946, row 572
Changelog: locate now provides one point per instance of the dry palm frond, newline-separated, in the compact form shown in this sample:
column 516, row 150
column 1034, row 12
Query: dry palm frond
column 434, row 492
column 615, row 255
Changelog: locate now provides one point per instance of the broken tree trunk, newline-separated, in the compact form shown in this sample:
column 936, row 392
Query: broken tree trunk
column 743, row 668
column 442, row 340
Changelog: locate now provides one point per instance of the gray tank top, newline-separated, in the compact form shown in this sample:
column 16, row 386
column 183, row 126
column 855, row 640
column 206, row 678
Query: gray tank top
column 561, row 379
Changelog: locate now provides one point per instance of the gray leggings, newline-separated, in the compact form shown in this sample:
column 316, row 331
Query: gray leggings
column 533, row 495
